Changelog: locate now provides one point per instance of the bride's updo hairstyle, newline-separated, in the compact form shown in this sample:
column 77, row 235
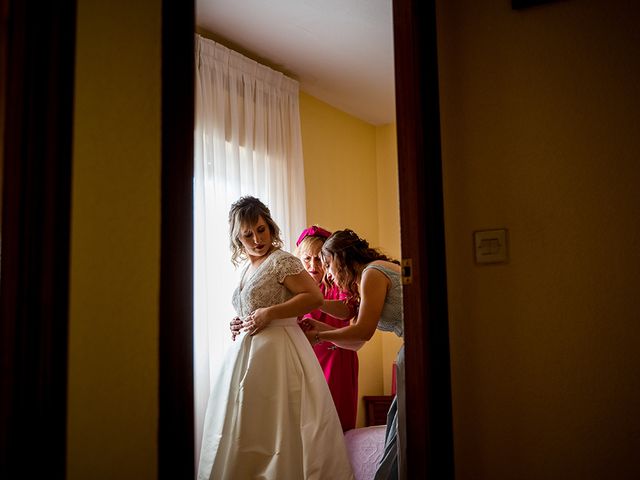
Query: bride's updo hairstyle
column 347, row 251
column 246, row 211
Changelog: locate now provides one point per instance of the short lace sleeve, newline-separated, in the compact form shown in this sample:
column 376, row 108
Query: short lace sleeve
column 287, row 265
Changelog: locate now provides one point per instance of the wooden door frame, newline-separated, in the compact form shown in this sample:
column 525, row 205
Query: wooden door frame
column 429, row 429
column 176, row 409
column 428, row 379
column 38, row 39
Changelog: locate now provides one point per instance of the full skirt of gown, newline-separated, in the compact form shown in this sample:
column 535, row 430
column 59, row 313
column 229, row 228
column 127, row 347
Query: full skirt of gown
column 270, row 414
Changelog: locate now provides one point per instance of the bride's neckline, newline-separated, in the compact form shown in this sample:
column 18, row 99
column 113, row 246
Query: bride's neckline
column 253, row 268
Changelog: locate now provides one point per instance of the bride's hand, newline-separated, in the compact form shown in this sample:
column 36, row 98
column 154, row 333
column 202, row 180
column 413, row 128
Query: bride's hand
column 236, row 327
column 257, row 321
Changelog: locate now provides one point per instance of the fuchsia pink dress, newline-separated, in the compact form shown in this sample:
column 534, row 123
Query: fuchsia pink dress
column 340, row 366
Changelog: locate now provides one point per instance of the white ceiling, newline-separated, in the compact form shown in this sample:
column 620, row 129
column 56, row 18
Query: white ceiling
column 341, row 51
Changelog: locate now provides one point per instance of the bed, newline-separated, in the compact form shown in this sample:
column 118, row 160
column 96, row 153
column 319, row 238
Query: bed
column 365, row 447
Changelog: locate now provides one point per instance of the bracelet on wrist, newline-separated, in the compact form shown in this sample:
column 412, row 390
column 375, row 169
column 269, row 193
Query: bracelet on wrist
column 317, row 338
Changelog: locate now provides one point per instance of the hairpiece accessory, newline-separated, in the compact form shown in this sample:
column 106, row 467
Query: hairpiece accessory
column 313, row 231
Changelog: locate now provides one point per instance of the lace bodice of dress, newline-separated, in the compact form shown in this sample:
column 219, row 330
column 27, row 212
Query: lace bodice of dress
column 264, row 287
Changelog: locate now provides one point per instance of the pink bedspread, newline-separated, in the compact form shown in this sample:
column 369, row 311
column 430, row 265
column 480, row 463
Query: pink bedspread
column 365, row 447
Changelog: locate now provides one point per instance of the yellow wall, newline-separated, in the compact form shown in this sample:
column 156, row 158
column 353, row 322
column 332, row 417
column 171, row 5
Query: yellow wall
column 340, row 169
column 113, row 338
column 540, row 115
column 351, row 182
column 388, row 226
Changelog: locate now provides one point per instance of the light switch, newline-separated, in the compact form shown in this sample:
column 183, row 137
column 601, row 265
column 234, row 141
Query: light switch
column 490, row 246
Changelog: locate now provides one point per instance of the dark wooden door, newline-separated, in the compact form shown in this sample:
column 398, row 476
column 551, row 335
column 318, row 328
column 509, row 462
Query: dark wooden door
column 428, row 385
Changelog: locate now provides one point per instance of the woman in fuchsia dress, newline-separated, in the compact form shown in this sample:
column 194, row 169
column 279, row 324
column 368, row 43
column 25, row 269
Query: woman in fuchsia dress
column 340, row 366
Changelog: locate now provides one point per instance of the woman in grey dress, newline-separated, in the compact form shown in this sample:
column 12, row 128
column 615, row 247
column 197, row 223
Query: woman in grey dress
column 374, row 279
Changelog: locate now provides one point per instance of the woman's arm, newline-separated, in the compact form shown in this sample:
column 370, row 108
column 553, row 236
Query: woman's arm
column 316, row 326
column 306, row 297
column 373, row 292
column 337, row 309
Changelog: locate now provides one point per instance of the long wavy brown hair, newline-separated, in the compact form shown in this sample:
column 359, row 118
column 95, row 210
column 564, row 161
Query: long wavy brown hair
column 347, row 252
column 246, row 211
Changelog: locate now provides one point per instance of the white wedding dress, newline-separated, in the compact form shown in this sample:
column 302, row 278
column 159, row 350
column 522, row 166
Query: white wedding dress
column 270, row 413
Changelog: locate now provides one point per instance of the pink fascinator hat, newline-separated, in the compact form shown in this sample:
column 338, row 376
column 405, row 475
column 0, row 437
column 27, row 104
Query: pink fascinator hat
column 313, row 231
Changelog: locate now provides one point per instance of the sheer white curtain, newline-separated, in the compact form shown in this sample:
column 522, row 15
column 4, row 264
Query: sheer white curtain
column 247, row 142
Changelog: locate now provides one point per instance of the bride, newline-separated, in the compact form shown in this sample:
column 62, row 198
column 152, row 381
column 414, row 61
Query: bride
column 270, row 413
